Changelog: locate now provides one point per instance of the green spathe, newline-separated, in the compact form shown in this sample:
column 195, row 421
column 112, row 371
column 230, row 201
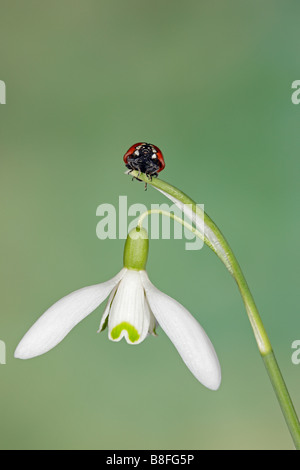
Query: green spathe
column 136, row 249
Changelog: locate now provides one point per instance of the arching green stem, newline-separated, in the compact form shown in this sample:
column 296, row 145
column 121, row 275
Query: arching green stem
column 171, row 216
column 213, row 237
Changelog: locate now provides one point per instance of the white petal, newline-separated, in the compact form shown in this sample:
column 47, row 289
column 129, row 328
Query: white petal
column 62, row 317
column 153, row 322
column 186, row 334
column 129, row 315
column 202, row 227
column 107, row 310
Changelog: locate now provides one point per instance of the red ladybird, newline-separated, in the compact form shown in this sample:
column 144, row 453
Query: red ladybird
column 145, row 158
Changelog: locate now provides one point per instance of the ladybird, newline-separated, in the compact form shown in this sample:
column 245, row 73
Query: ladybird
column 145, row 158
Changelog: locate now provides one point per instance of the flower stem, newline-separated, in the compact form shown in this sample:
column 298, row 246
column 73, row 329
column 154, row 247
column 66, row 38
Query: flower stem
column 171, row 216
column 213, row 237
column 283, row 397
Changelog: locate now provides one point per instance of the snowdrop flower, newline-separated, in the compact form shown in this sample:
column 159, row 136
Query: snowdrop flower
column 134, row 310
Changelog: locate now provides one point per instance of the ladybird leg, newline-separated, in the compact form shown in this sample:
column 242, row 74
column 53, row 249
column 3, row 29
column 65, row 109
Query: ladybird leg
column 145, row 186
column 129, row 171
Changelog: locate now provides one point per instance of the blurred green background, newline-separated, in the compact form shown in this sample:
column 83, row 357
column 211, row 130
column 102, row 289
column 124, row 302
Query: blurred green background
column 210, row 83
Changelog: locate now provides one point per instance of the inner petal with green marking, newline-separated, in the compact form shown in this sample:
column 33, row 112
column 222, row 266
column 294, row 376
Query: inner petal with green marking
column 132, row 332
column 129, row 314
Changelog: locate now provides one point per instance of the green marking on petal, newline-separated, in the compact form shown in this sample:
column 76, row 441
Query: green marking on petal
column 104, row 326
column 132, row 332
